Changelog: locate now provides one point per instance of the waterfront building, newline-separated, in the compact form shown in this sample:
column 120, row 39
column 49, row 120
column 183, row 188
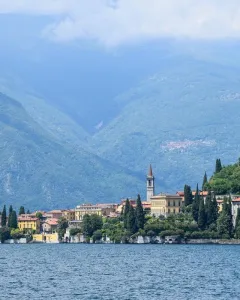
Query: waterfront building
column 46, row 238
column 27, row 223
column 87, row 209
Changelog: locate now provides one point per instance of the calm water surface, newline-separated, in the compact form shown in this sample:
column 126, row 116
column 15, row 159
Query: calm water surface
column 119, row 272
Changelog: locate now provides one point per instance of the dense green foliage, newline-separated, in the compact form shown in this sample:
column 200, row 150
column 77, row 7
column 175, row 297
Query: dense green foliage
column 62, row 226
column 91, row 223
column 227, row 180
column 12, row 220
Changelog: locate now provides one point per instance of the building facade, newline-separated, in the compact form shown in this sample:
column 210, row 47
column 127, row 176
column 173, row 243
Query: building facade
column 165, row 205
column 87, row 209
column 26, row 223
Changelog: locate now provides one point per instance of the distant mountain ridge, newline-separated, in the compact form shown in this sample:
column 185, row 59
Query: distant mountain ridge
column 179, row 119
column 40, row 173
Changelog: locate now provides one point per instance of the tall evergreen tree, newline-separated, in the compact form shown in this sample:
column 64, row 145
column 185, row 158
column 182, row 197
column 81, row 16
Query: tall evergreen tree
column 224, row 222
column 218, row 166
column 21, row 210
column 4, row 217
column 139, row 213
column 201, row 215
column 10, row 210
column 188, row 198
column 211, row 209
column 28, row 211
column 195, row 205
column 12, row 222
column 205, row 180
column 10, row 216
column 131, row 221
column 126, row 212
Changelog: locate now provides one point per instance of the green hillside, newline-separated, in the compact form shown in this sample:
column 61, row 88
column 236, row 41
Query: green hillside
column 39, row 172
column 227, row 180
column 180, row 120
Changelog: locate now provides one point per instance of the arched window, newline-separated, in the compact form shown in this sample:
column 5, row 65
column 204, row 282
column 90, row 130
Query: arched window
column 149, row 183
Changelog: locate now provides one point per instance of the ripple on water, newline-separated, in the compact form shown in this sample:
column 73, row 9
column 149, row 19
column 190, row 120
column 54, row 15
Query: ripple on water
column 109, row 272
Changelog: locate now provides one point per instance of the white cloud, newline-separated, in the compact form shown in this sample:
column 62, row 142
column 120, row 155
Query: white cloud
column 112, row 22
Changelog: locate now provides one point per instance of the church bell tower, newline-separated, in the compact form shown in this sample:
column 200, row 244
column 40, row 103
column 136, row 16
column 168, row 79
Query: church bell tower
column 150, row 184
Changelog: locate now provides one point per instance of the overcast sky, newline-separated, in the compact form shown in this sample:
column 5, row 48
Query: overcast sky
column 117, row 22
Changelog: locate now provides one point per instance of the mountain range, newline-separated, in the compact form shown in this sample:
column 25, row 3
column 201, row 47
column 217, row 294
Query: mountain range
column 179, row 116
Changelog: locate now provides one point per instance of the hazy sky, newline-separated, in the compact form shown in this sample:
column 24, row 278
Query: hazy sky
column 117, row 22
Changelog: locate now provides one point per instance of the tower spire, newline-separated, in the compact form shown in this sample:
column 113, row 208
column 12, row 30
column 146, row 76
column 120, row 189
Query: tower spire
column 150, row 173
column 150, row 184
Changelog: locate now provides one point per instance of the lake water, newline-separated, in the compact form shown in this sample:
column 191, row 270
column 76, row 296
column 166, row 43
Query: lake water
column 111, row 272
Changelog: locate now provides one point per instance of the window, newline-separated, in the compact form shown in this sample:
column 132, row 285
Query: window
column 149, row 183
column 174, row 211
column 173, row 203
column 179, row 203
column 169, row 211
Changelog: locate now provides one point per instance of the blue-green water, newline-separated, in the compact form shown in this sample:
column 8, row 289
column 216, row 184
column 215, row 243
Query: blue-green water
column 119, row 272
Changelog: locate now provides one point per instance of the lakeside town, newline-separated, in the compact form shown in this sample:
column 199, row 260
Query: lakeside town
column 189, row 216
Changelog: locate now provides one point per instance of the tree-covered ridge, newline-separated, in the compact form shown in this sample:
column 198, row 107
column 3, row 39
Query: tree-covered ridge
column 225, row 180
column 39, row 171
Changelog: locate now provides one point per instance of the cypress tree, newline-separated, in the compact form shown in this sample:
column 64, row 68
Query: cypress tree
column 13, row 220
column 205, row 180
column 224, row 222
column 218, row 166
column 195, row 206
column 187, row 195
column 126, row 212
column 211, row 209
column 131, row 220
column 4, row 217
column 21, row 210
column 10, row 216
column 28, row 211
column 10, row 210
column 201, row 215
column 139, row 213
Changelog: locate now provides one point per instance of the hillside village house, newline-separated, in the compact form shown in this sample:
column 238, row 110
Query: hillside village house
column 54, row 214
column 26, row 223
column 50, row 225
column 69, row 214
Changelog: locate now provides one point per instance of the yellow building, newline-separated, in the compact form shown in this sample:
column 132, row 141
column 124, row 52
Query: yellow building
column 26, row 223
column 69, row 214
column 46, row 238
column 87, row 209
column 164, row 205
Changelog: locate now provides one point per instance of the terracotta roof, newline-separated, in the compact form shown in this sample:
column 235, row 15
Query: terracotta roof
column 52, row 222
column 236, row 200
column 56, row 211
column 26, row 219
